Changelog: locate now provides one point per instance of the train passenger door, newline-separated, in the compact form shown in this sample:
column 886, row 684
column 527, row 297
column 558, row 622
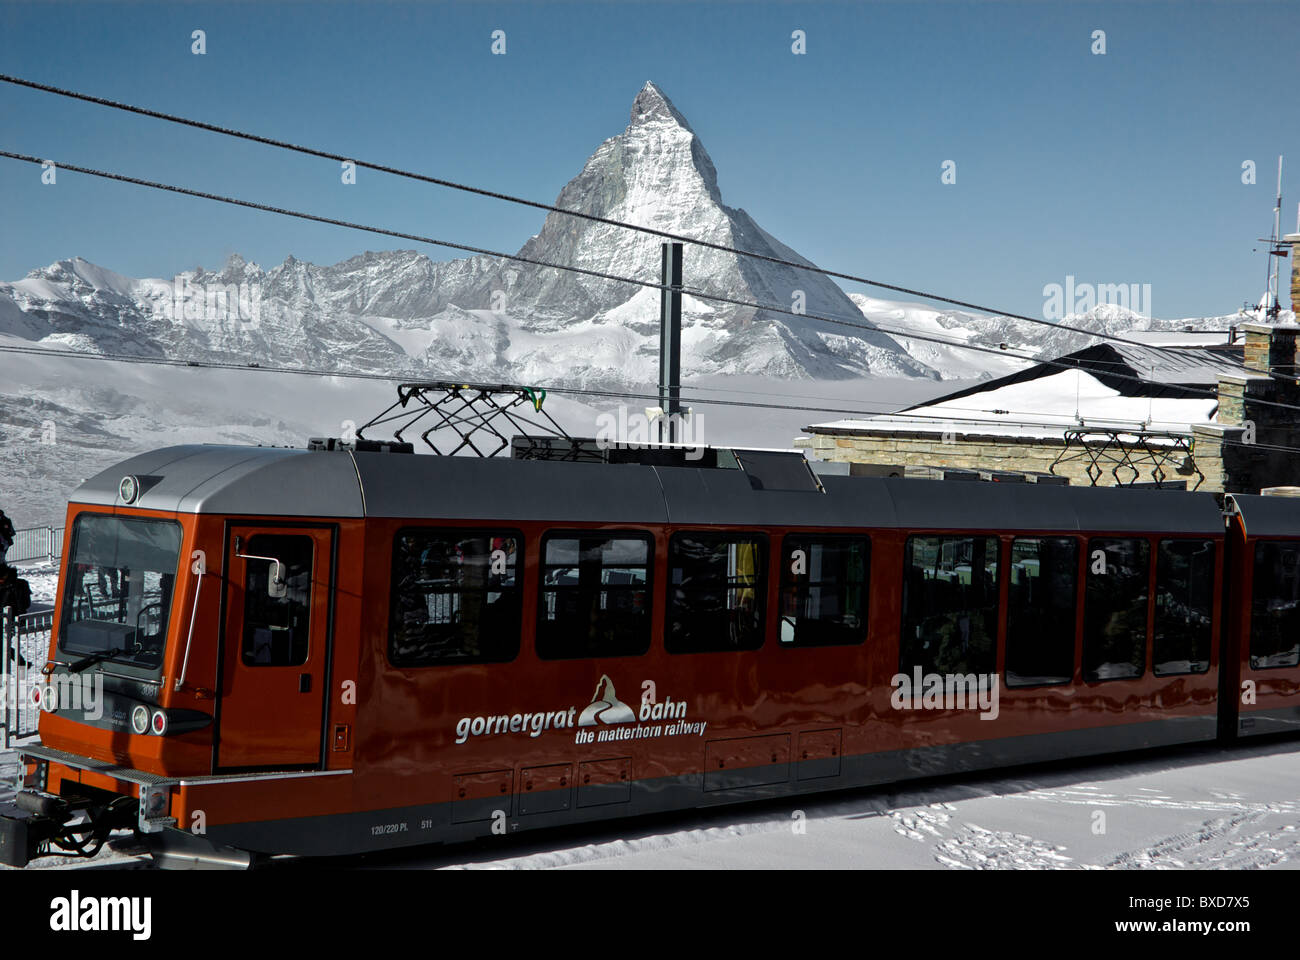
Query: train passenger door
column 275, row 647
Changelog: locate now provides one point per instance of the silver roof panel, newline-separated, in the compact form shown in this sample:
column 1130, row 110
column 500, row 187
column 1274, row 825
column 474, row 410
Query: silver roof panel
column 204, row 478
column 269, row 481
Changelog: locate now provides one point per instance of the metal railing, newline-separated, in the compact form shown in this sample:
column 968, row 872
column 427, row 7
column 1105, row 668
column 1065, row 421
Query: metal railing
column 24, row 644
column 35, row 543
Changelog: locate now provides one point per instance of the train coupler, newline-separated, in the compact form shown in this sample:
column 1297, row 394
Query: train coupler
column 36, row 824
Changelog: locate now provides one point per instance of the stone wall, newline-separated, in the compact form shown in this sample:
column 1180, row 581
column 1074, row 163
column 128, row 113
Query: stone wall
column 983, row 452
column 1270, row 348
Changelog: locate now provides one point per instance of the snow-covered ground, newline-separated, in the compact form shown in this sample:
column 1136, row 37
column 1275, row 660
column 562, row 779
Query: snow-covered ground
column 63, row 420
column 1206, row 807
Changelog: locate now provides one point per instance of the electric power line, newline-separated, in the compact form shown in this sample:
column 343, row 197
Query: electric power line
column 559, row 391
column 550, row 208
column 699, row 294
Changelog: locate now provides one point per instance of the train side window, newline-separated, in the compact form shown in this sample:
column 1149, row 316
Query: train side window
column 277, row 630
column 1115, row 609
column 1040, row 611
column 1184, row 607
column 824, row 590
column 595, row 595
column 1275, row 605
column 950, row 605
column 716, row 592
column 456, row 597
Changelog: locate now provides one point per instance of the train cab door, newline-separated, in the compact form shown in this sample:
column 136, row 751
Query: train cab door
column 275, row 647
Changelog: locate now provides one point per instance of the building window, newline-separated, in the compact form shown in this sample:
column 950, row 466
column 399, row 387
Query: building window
column 824, row 590
column 1275, row 605
column 1040, row 611
column 950, row 605
column 595, row 596
column 1185, row 581
column 455, row 597
column 715, row 592
column 1115, row 609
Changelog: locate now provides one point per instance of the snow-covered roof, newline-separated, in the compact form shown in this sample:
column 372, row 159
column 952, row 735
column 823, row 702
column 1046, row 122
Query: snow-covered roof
column 1162, row 365
column 1042, row 407
column 1184, row 338
column 1111, row 386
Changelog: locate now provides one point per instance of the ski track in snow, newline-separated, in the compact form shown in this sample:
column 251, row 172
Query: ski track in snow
column 1182, row 826
column 1219, row 842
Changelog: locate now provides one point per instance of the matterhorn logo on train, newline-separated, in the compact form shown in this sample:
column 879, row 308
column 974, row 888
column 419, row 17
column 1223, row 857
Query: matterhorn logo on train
column 606, row 718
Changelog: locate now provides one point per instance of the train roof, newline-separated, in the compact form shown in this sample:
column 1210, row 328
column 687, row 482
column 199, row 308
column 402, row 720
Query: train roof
column 289, row 482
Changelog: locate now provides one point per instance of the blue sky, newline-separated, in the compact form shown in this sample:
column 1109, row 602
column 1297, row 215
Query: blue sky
column 1122, row 168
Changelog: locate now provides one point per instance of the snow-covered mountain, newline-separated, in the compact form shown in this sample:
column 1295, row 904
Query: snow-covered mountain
column 1011, row 337
column 487, row 318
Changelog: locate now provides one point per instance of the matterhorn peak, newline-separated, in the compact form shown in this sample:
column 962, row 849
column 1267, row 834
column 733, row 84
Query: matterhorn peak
column 651, row 104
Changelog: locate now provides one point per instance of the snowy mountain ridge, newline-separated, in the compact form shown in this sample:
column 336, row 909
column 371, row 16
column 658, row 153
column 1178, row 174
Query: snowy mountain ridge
column 488, row 318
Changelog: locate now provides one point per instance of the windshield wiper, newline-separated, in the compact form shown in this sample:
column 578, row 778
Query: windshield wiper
column 93, row 659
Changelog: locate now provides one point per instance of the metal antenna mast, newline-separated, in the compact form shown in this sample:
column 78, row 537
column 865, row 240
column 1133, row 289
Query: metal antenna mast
column 1272, row 305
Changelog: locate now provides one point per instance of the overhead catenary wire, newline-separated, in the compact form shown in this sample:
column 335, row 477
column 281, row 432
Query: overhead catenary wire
column 881, row 410
column 223, row 365
column 551, row 208
column 699, row 294
column 230, row 365
column 312, row 151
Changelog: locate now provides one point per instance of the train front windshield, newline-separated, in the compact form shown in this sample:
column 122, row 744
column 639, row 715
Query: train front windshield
column 117, row 598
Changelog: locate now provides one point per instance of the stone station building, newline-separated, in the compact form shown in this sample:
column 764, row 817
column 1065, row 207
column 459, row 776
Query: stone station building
column 1192, row 411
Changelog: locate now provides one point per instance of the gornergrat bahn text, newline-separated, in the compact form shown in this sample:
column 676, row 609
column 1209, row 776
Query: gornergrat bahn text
column 262, row 651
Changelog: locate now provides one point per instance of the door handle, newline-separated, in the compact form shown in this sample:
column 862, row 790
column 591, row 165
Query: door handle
column 304, row 683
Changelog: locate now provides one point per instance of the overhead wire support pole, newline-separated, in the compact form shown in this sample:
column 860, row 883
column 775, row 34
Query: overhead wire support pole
column 670, row 343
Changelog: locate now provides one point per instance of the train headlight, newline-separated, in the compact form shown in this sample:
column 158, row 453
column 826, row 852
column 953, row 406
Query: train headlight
column 159, row 722
column 140, row 719
column 128, row 489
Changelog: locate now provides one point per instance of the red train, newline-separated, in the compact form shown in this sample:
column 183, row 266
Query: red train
column 264, row 651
